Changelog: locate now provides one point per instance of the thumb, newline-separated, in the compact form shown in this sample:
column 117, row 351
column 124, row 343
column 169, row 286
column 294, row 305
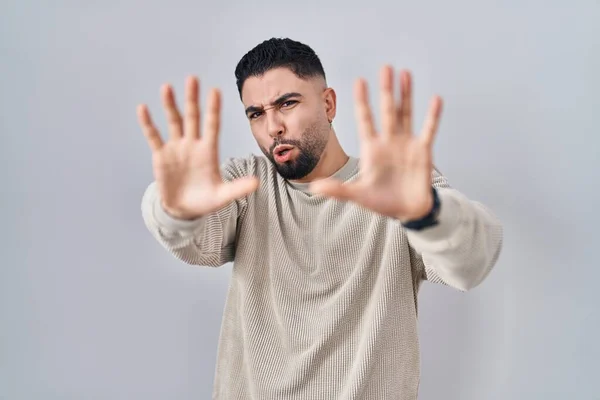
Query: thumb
column 330, row 187
column 238, row 188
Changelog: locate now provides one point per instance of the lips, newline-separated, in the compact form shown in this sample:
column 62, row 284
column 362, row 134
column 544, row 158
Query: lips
column 283, row 153
column 280, row 149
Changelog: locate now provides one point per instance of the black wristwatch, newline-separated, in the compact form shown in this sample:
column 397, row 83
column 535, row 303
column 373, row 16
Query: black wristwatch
column 431, row 219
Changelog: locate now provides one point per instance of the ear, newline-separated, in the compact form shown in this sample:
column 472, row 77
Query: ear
column 330, row 101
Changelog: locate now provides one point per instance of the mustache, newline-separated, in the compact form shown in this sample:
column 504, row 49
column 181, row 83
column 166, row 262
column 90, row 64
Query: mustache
column 295, row 143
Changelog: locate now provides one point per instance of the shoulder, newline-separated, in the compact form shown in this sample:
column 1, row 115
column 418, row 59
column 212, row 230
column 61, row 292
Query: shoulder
column 438, row 179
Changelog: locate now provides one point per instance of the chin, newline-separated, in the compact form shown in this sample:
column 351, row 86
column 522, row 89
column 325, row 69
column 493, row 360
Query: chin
column 296, row 169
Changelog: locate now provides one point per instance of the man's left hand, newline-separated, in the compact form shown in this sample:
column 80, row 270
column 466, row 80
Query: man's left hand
column 395, row 165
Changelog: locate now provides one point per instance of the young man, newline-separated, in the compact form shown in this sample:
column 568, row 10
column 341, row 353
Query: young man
column 328, row 250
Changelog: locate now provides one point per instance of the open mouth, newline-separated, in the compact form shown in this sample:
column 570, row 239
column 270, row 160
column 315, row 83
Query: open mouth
column 282, row 149
column 282, row 152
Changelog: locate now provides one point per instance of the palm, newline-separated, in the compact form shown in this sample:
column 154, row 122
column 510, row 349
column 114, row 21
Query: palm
column 186, row 168
column 395, row 165
column 185, row 175
column 394, row 176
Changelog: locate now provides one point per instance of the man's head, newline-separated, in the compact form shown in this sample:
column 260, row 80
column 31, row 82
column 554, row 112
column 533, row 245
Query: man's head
column 282, row 85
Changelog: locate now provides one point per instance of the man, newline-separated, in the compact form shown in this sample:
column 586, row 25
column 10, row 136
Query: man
column 328, row 250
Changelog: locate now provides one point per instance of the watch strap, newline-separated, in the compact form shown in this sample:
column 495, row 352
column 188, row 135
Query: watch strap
column 431, row 219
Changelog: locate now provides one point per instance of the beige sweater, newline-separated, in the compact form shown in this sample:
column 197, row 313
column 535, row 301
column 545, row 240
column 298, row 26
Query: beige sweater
column 322, row 302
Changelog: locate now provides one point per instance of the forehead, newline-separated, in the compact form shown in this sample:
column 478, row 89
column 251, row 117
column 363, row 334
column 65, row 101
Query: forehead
column 263, row 89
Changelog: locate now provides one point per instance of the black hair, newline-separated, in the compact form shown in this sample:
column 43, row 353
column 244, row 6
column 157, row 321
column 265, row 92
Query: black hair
column 275, row 53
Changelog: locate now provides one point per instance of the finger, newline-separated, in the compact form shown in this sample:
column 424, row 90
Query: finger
column 238, row 188
column 192, row 109
column 173, row 116
column 432, row 122
column 212, row 119
column 405, row 110
column 337, row 189
column 150, row 132
column 388, row 108
column 363, row 115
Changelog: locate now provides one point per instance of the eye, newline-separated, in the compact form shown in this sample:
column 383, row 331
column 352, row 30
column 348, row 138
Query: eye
column 254, row 115
column 288, row 103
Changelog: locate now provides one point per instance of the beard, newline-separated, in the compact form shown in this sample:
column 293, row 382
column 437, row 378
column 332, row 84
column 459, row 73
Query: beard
column 310, row 149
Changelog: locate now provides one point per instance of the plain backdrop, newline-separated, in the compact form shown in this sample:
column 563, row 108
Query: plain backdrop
column 91, row 307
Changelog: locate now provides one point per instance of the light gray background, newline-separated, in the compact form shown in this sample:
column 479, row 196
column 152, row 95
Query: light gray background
column 91, row 307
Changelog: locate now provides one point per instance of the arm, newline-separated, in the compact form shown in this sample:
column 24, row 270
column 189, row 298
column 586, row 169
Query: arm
column 396, row 181
column 465, row 245
column 204, row 200
column 208, row 240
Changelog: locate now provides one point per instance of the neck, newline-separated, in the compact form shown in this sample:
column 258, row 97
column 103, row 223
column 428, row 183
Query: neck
column 333, row 158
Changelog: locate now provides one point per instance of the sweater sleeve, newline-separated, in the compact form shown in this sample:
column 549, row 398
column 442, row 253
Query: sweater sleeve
column 464, row 247
column 206, row 241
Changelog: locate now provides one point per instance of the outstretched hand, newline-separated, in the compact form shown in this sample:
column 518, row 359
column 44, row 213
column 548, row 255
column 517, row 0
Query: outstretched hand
column 395, row 165
column 186, row 167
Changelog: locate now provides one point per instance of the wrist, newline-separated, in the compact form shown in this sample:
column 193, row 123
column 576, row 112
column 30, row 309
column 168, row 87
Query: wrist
column 427, row 208
column 427, row 218
column 177, row 214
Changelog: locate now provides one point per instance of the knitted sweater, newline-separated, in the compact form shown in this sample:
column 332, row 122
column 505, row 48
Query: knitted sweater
column 322, row 302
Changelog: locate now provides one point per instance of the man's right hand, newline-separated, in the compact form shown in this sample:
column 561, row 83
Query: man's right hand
column 186, row 167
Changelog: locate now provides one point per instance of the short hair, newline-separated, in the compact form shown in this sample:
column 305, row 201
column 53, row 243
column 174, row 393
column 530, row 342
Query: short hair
column 275, row 53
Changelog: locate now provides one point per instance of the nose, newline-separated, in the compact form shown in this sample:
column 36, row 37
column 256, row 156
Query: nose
column 275, row 124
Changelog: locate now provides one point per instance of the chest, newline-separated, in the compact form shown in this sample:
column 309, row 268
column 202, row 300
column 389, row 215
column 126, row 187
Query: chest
column 320, row 240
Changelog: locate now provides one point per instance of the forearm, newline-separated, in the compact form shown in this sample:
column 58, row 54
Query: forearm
column 464, row 246
column 206, row 241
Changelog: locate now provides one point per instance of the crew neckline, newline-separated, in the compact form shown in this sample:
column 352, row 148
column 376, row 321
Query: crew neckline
column 342, row 174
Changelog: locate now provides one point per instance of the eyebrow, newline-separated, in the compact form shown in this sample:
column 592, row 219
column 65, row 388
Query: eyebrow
column 281, row 99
